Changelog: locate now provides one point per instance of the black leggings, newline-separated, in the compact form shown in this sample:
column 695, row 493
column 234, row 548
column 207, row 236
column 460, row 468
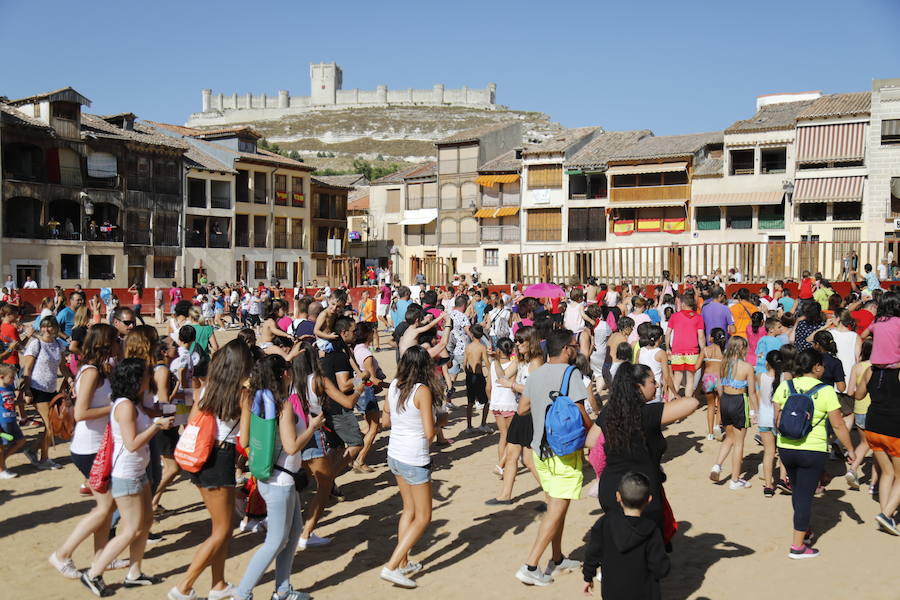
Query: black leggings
column 804, row 468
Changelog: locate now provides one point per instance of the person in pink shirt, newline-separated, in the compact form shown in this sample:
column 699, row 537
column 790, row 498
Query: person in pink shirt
column 755, row 332
column 637, row 314
column 174, row 296
column 885, row 330
column 685, row 338
column 384, row 305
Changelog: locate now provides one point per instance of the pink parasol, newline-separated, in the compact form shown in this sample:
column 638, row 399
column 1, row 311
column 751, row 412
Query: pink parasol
column 544, row 290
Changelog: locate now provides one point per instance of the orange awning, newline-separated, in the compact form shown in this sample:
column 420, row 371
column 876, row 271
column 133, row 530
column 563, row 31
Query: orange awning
column 485, row 213
column 493, row 213
column 507, row 211
column 492, row 180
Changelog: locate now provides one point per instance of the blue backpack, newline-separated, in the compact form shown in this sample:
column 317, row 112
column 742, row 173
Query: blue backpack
column 563, row 425
column 797, row 413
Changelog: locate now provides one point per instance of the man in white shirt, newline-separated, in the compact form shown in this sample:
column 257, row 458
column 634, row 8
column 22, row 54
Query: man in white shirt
column 10, row 285
column 882, row 271
column 31, row 284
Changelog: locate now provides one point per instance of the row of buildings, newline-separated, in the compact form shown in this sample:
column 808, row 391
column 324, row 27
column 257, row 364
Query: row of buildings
column 110, row 201
column 801, row 183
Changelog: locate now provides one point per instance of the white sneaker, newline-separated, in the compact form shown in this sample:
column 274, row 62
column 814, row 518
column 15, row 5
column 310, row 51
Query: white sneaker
column 228, row 592
column 565, row 565
column 710, row 436
column 397, row 578
column 66, row 567
column 411, row 568
column 719, row 433
column 714, row 473
column 174, row 594
column 535, row 577
column 479, row 405
column 498, row 470
column 4, row 474
column 740, row 484
column 312, row 541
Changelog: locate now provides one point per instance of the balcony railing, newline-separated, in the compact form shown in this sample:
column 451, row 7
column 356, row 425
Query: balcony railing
column 259, row 240
column 219, row 240
column 220, row 202
column 281, row 239
column 297, row 241
column 195, row 240
column 242, row 239
column 137, row 237
column 320, row 246
column 500, row 233
column 70, row 176
column 106, row 183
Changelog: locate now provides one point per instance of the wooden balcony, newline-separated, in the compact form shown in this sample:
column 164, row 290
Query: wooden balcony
column 650, row 193
column 66, row 128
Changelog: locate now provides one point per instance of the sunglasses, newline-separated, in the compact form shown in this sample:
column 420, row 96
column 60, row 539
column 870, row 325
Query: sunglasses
column 129, row 323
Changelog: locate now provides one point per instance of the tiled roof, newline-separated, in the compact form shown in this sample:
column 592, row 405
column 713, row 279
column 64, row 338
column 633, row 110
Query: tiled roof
column 342, row 180
column 360, row 202
column 668, row 146
column 226, row 132
column 839, row 105
column 596, row 153
column 195, row 158
column 475, row 133
column 13, row 116
column 65, row 94
column 399, row 176
column 185, row 131
column 506, row 162
column 771, row 117
column 709, row 167
column 265, row 156
column 142, row 133
column 428, row 169
column 561, row 141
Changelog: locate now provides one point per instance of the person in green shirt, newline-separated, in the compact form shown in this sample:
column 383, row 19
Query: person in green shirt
column 822, row 293
column 804, row 459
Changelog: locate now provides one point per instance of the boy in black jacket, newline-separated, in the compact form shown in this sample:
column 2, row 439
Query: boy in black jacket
column 628, row 547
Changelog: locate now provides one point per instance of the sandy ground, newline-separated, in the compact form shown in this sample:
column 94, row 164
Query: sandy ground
column 730, row 544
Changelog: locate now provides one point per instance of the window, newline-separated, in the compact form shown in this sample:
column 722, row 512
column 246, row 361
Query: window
column 219, row 232
column 846, row 211
column 393, row 201
column 242, row 231
column 260, row 188
column 195, row 237
column 164, row 267
column 100, row 266
column 578, row 186
column 137, row 228
column 281, row 270
column 491, row 257
column 587, row 225
column 812, row 211
column 259, row 269
column 771, row 216
column 449, row 231
column 70, row 266
column 739, row 217
column 281, row 193
column 296, row 234
column 449, row 196
column 259, row 231
column 544, row 225
column 165, row 229
column 220, row 192
column 469, row 193
column 414, row 196
column 544, row 176
column 36, row 110
column 741, row 162
column 196, row 193
column 468, row 159
column 621, row 181
column 468, row 231
column 597, row 186
column 248, row 146
column 890, row 131
column 321, row 267
column 773, row 160
column 242, row 186
column 448, row 161
column 281, row 236
column 708, row 218
column 64, row 110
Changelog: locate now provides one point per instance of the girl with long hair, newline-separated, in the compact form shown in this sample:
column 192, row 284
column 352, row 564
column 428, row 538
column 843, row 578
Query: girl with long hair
column 368, row 404
column 808, row 322
column 755, row 332
column 736, row 377
column 92, row 408
column 652, row 355
column 137, row 302
column 270, row 383
column 631, row 425
column 226, row 393
column 411, row 402
column 529, row 357
column 860, row 409
column 766, row 384
column 712, row 365
column 132, row 430
column 503, row 401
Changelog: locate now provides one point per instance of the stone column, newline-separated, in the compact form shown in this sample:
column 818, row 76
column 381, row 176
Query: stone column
column 438, row 93
column 381, row 94
column 206, row 96
column 284, row 99
column 234, row 100
column 220, row 101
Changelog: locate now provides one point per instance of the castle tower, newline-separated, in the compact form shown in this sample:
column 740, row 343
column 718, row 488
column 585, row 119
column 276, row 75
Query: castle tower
column 325, row 80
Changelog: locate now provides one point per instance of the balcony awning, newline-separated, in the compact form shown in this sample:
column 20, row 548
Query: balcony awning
column 649, row 168
column 492, row 180
column 419, row 217
column 742, row 199
column 493, row 213
column 646, row 203
column 826, row 143
column 830, row 189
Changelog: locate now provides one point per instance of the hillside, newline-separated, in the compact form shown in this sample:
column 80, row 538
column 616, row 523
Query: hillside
column 398, row 134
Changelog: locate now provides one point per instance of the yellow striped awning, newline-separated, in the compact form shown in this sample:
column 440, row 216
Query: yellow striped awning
column 493, row 213
column 492, row 180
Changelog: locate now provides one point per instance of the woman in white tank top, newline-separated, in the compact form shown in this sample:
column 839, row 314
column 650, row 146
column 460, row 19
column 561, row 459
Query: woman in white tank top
column 411, row 401
column 92, row 408
column 503, row 399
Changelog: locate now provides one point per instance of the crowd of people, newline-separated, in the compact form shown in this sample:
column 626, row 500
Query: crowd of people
column 569, row 374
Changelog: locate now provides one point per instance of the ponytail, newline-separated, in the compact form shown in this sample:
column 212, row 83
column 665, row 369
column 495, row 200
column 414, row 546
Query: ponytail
column 775, row 360
column 826, row 341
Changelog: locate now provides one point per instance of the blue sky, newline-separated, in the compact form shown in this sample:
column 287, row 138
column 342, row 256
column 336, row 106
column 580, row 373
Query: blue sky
column 673, row 67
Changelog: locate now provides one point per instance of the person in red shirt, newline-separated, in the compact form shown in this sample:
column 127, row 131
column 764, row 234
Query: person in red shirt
column 685, row 338
column 806, row 287
column 864, row 316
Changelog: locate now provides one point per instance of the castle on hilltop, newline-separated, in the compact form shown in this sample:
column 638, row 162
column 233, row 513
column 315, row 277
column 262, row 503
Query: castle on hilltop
column 325, row 81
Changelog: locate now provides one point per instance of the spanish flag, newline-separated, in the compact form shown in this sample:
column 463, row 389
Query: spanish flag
column 654, row 224
column 621, row 227
column 675, row 225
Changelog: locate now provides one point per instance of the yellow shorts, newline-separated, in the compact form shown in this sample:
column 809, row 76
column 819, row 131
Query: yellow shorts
column 560, row 476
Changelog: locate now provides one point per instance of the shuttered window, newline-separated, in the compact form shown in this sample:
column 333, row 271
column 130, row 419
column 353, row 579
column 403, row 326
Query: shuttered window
column 429, row 198
column 544, row 176
column 545, row 225
column 587, row 225
column 448, row 162
column 449, row 196
column 449, row 231
column 468, row 159
column 414, row 196
column 739, row 217
column 708, row 218
column 393, row 201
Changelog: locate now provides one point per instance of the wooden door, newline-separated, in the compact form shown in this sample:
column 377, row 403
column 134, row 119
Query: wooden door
column 546, row 267
column 775, row 258
column 676, row 262
column 809, row 254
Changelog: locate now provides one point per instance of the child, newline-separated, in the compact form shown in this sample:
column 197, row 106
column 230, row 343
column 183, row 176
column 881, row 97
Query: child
column 766, row 383
column 652, row 355
column 773, row 340
column 476, row 363
column 627, row 547
column 735, row 378
column 11, row 438
column 503, row 399
column 860, row 409
column 755, row 332
column 712, row 364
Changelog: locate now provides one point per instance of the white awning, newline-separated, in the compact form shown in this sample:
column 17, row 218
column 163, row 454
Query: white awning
column 419, row 217
column 648, row 168
column 101, row 165
column 739, row 199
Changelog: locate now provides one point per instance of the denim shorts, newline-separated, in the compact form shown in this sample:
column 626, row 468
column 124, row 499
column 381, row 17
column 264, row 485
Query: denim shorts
column 367, row 403
column 763, row 429
column 860, row 420
column 13, row 429
column 315, row 448
column 127, row 487
column 411, row 474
